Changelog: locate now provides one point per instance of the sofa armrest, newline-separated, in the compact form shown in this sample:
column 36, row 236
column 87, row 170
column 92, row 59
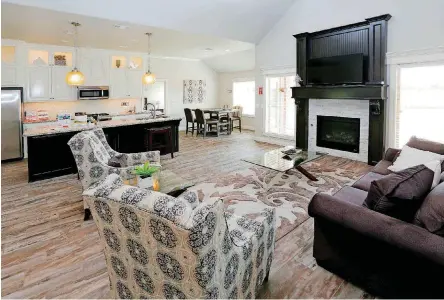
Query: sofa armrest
column 391, row 154
column 367, row 222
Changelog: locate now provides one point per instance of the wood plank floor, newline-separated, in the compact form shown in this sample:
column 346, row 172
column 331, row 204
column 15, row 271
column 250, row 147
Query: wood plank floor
column 48, row 251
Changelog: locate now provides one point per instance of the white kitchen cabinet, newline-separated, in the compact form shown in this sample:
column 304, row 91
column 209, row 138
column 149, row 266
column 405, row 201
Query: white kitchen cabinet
column 47, row 71
column 126, row 76
column 94, row 65
column 134, row 83
column 126, row 83
column 9, row 75
column 39, row 83
column 118, row 83
column 9, row 67
column 60, row 90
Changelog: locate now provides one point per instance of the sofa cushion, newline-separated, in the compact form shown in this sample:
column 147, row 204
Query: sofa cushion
column 400, row 194
column 431, row 213
column 410, row 157
column 365, row 181
column 351, row 195
column 381, row 167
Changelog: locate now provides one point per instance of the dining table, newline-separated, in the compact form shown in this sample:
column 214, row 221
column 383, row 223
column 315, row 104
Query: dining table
column 217, row 112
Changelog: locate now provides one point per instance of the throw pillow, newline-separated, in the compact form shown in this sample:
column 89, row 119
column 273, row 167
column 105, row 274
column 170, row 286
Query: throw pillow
column 435, row 166
column 431, row 213
column 410, row 157
column 400, row 194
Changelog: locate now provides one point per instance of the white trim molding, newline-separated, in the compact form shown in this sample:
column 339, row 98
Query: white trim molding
column 415, row 56
column 282, row 70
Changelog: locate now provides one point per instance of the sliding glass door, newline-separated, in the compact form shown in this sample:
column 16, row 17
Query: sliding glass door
column 280, row 110
column 420, row 103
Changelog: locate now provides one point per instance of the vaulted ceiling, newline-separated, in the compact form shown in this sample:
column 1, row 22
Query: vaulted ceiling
column 242, row 20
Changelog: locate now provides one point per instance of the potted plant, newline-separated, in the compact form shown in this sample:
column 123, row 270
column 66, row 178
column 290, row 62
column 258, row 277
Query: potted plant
column 144, row 175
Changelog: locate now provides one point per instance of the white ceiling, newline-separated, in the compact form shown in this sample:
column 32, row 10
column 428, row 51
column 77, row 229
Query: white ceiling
column 243, row 20
column 37, row 25
column 233, row 62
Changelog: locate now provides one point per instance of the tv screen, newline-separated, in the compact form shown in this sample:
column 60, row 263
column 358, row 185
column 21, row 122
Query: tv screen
column 344, row 69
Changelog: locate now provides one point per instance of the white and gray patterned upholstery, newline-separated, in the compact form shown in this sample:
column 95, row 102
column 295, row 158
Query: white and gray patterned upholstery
column 92, row 152
column 157, row 246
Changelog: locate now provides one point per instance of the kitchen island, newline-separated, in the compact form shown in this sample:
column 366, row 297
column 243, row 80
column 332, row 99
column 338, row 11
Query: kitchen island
column 50, row 156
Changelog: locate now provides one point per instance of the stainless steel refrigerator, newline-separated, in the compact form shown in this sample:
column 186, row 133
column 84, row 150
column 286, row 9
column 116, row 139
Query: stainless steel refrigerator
column 12, row 128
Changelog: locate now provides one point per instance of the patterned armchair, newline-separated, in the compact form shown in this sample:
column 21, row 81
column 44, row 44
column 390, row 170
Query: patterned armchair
column 158, row 246
column 92, row 153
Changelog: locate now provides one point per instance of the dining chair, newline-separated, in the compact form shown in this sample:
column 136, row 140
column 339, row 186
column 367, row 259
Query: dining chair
column 203, row 123
column 189, row 119
column 236, row 116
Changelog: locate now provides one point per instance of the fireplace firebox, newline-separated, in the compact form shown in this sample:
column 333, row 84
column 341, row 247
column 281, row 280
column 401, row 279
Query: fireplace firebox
column 338, row 133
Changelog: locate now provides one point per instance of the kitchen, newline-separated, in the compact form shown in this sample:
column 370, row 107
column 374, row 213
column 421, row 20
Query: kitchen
column 50, row 107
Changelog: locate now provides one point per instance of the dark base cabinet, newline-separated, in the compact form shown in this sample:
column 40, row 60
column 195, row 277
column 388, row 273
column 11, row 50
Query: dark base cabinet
column 50, row 156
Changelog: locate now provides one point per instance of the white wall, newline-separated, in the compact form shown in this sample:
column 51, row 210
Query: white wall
column 414, row 25
column 226, row 95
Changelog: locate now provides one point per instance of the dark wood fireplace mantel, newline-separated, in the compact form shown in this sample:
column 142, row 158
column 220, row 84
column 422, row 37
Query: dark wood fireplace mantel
column 346, row 92
column 369, row 38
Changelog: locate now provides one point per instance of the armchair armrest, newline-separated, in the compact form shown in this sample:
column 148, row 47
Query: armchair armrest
column 369, row 223
column 132, row 159
column 391, row 154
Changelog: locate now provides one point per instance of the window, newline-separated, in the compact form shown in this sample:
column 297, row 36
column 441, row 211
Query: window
column 243, row 95
column 280, row 110
column 156, row 94
column 420, row 103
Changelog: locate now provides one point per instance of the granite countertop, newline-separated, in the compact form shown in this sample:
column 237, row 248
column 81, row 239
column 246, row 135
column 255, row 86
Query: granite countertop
column 53, row 129
column 112, row 115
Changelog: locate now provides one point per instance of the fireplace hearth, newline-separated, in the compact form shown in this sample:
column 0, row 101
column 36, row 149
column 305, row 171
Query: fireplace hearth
column 338, row 133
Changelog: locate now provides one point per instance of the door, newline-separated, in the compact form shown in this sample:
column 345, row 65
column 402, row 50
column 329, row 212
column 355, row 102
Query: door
column 420, row 103
column 118, row 84
column 134, row 83
column 11, row 124
column 60, row 89
column 39, row 83
column 280, row 111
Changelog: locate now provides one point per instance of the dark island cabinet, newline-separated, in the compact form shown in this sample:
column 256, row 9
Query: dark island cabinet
column 50, row 156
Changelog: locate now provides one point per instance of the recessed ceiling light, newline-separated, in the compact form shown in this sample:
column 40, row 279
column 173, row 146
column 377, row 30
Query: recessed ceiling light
column 64, row 41
column 227, row 50
column 208, row 49
column 120, row 26
column 123, row 46
column 134, row 41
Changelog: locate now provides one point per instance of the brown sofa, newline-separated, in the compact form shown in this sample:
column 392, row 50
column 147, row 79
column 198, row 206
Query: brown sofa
column 383, row 255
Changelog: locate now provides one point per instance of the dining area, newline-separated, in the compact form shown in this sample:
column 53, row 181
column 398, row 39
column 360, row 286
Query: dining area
column 213, row 121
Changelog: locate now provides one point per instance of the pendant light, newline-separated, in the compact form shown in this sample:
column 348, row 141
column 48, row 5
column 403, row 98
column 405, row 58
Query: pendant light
column 75, row 77
column 148, row 77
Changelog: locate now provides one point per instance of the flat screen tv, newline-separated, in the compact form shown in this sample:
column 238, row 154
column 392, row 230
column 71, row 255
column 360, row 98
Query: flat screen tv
column 334, row 70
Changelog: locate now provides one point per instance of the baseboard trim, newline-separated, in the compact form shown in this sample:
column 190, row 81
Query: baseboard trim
column 274, row 141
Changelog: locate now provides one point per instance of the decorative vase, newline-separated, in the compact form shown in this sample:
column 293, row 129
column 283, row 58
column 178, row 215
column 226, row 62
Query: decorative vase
column 145, row 182
column 118, row 63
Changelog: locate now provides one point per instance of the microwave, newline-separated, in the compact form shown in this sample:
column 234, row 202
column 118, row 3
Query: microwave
column 92, row 92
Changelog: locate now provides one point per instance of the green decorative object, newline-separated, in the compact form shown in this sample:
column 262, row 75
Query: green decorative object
column 146, row 170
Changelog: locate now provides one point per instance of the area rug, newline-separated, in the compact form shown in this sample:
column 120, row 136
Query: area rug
column 249, row 191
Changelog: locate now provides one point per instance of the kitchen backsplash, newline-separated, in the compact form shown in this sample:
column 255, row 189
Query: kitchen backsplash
column 111, row 106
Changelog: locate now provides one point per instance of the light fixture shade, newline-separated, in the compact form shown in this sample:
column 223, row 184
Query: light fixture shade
column 75, row 77
column 148, row 78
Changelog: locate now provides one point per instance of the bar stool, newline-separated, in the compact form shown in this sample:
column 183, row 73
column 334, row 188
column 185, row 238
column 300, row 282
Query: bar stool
column 152, row 144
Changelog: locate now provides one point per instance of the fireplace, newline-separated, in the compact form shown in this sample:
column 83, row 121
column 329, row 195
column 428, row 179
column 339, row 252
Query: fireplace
column 338, row 133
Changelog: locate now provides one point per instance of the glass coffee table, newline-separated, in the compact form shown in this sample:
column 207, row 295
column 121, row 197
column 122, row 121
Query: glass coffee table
column 279, row 161
column 169, row 182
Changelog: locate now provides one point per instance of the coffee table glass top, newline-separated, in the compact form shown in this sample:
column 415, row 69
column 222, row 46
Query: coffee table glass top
column 169, row 182
column 279, row 161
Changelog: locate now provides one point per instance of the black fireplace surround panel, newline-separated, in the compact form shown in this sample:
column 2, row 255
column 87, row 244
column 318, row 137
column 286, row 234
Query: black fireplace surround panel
column 338, row 133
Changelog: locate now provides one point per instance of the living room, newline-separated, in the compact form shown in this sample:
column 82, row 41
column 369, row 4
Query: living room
column 160, row 203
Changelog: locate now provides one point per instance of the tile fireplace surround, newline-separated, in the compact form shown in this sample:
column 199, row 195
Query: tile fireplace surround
column 340, row 108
